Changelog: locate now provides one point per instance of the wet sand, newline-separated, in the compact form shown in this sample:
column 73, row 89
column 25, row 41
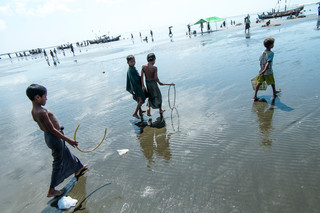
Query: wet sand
column 218, row 151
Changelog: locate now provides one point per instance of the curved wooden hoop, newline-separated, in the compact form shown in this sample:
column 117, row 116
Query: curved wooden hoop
column 104, row 136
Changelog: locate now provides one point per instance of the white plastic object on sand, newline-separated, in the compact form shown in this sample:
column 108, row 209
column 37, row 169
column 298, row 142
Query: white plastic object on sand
column 123, row 151
column 66, row 202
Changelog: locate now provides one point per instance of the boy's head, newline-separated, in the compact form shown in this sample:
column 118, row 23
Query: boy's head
column 131, row 60
column 268, row 42
column 35, row 89
column 151, row 57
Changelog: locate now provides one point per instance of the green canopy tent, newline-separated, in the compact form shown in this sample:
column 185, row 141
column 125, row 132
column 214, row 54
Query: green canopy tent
column 200, row 21
column 214, row 19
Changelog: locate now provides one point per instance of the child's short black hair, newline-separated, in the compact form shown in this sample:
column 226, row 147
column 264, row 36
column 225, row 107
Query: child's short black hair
column 130, row 57
column 151, row 57
column 268, row 42
column 35, row 89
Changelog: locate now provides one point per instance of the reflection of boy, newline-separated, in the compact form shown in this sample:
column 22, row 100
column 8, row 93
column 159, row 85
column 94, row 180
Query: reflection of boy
column 64, row 163
column 134, row 86
column 266, row 72
column 265, row 114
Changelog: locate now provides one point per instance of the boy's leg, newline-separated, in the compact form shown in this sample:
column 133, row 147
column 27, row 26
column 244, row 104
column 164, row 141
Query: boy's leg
column 161, row 110
column 141, row 112
column 55, row 193
column 78, row 173
column 256, row 92
column 140, row 102
column 149, row 111
column 275, row 92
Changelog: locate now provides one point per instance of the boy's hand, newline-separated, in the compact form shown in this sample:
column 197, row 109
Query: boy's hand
column 73, row 142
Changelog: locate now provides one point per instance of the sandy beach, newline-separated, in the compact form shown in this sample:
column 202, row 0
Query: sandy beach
column 216, row 151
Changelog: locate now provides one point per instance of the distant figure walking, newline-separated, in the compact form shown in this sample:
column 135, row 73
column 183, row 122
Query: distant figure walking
column 151, row 33
column 266, row 71
column 318, row 23
column 53, row 59
column 170, row 32
column 51, row 53
column 151, row 73
column 189, row 29
column 247, row 24
column 46, row 56
column 72, row 49
column 208, row 26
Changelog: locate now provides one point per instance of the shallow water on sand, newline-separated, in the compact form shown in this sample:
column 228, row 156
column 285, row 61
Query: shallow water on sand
column 218, row 151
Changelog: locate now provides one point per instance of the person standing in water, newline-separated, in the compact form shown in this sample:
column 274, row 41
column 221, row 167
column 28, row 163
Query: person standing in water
column 318, row 23
column 266, row 71
column 64, row 162
column 170, row 32
column 247, row 24
column 151, row 74
column 72, row 49
column 134, row 86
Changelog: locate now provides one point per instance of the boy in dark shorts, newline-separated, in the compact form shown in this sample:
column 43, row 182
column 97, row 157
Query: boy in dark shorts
column 64, row 162
column 266, row 72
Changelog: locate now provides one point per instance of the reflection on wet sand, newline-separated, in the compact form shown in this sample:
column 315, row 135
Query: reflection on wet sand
column 79, row 193
column 76, row 189
column 177, row 126
column 153, row 139
column 265, row 114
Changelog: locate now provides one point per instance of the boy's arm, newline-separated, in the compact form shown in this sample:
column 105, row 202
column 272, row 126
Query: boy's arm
column 265, row 68
column 142, row 83
column 49, row 126
column 156, row 77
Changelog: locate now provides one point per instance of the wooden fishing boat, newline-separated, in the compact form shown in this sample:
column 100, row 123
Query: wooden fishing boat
column 279, row 14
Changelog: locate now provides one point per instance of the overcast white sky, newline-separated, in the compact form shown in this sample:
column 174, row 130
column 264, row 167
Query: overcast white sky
column 27, row 24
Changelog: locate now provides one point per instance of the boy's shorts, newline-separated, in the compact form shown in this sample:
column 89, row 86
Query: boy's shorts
column 267, row 78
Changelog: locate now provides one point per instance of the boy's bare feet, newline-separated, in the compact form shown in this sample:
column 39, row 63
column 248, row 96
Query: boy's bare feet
column 136, row 116
column 277, row 91
column 275, row 94
column 162, row 111
column 55, row 193
column 78, row 173
column 142, row 112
